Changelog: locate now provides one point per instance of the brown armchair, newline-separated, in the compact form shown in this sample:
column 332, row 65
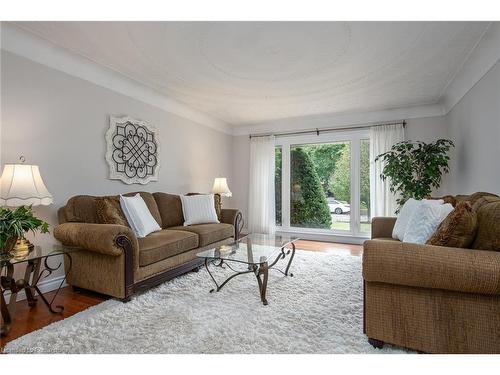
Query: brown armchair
column 430, row 298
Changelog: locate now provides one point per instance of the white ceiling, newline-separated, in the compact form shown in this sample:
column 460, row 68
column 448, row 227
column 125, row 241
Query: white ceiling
column 252, row 72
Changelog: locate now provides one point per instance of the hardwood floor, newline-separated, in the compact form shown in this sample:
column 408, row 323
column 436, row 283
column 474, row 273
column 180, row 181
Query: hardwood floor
column 26, row 319
column 355, row 250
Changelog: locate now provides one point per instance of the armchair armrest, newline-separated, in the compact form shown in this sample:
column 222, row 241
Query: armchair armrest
column 437, row 267
column 101, row 238
column 382, row 227
column 233, row 216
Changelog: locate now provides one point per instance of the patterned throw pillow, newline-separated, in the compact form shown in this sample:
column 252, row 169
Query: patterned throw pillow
column 458, row 229
column 109, row 211
column 446, row 199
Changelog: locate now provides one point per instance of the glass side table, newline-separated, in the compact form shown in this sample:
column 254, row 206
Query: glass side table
column 40, row 263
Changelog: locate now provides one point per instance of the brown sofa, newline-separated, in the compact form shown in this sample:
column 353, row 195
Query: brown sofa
column 434, row 299
column 113, row 261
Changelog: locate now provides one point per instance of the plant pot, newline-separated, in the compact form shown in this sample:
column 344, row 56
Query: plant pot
column 9, row 245
column 22, row 248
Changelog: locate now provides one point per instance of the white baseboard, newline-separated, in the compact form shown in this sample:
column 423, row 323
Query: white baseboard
column 314, row 235
column 325, row 237
column 45, row 287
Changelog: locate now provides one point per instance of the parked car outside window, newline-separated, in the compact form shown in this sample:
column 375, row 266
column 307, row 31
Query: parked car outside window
column 337, row 207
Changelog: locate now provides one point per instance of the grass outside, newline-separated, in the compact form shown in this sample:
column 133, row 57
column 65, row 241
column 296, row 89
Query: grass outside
column 345, row 225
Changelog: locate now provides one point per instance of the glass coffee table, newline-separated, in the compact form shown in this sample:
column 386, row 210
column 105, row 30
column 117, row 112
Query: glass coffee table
column 258, row 252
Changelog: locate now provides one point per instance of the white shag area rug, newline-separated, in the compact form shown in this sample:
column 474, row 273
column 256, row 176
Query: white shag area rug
column 319, row 310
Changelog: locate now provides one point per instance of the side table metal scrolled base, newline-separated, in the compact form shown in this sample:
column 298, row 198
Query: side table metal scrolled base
column 37, row 269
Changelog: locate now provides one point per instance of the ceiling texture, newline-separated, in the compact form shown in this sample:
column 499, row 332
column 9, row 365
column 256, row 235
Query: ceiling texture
column 247, row 73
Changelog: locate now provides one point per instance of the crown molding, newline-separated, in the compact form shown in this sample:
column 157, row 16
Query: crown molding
column 39, row 50
column 331, row 120
column 481, row 59
column 23, row 43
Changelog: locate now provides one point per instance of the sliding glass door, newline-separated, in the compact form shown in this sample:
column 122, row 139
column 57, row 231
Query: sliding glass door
column 323, row 183
column 364, row 186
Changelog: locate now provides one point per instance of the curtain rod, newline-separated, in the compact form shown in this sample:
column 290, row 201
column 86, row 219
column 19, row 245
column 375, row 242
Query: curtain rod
column 317, row 131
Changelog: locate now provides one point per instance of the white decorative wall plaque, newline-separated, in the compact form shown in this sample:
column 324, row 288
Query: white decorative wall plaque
column 132, row 150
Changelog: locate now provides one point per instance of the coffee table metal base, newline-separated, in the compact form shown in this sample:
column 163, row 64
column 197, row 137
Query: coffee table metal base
column 260, row 270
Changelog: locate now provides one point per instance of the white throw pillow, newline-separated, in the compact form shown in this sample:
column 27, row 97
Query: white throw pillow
column 137, row 213
column 198, row 209
column 425, row 220
column 406, row 212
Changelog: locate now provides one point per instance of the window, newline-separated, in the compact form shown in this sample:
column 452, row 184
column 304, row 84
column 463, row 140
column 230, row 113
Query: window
column 323, row 183
column 364, row 189
column 277, row 183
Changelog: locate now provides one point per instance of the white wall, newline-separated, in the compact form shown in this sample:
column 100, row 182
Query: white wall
column 474, row 126
column 427, row 129
column 58, row 122
column 240, row 173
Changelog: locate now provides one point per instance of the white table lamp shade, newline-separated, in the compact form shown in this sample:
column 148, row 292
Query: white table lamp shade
column 22, row 185
column 220, row 187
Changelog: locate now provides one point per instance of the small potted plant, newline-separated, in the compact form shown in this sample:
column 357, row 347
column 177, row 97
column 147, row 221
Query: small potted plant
column 15, row 223
column 415, row 168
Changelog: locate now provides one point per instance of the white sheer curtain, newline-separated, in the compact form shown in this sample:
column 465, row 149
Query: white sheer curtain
column 261, row 209
column 382, row 138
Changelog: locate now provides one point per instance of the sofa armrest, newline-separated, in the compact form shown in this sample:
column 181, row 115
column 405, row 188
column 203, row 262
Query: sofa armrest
column 233, row 216
column 437, row 267
column 101, row 238
column 382, row 227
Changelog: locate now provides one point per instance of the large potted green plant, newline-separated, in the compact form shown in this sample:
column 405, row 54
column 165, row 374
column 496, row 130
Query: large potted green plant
column 413, row 169
column 15, row 223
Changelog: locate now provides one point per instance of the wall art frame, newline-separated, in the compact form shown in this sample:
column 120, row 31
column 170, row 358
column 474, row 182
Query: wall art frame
column 132, row 150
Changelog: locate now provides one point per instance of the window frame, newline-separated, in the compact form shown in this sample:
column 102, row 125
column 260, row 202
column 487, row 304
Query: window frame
column 354, row 137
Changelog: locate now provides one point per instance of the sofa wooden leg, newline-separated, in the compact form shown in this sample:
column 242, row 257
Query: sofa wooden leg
column 77, row 289
column 379, row 344
column 126, row 299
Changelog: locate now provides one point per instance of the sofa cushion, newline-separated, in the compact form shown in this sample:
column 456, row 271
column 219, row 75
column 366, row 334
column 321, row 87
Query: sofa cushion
column 199, row 209
column 425, row 220
column 385, row 239
column 150, row 203
column 82, row 208
column 462, row 197
column 109, row 211
column 488, row 231
column 138, row 215
column 458, row 229
column 217, row 204
column 209, row 233
column 479, row 194
column 170, row 207
column 481, row 200
column 446, row 199
column 404, row 216
column 165, row 244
